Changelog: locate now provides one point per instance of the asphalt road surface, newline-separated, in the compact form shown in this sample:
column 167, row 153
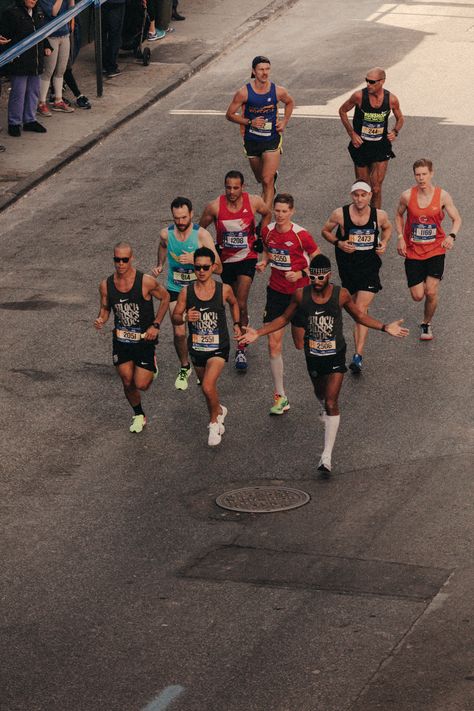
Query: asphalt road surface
column 123, row 586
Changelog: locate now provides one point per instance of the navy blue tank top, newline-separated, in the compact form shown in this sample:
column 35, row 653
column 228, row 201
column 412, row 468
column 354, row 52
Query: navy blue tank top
column 265, row 105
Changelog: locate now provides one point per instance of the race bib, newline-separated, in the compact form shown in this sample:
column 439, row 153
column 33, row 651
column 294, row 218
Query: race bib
column 372, row 131
column 205, row 341
column 423, row 234
column 322, row 348
column 183, row 276
column 129, row 335
column 265, row 132
column 280, row 259
column 362, row 239
column 235, row 240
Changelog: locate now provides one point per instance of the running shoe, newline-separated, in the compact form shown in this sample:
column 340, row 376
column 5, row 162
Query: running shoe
column 138, row 423
column 356, row 364
column 280, row 405
column 222, row 416
column 426, row 332
column 216, row 430
column 61, row 107
column 181, row 382
column 324, row 465
column 43, row 109
column 240, row 362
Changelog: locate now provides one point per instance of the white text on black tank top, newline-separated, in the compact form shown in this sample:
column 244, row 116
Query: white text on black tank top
column 128, row 314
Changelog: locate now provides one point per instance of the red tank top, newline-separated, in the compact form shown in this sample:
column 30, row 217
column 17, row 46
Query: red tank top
column 235, row 231
column 423, row 232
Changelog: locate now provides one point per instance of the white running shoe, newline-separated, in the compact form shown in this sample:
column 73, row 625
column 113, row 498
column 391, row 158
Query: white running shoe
column 216, row 430
column 324, row 464
column 222, row 416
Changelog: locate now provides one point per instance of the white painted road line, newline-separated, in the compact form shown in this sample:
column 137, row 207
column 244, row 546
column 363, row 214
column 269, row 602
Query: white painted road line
column 164, row 699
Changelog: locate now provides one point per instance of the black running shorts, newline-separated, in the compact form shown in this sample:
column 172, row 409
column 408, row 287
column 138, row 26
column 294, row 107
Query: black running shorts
column 354, row 281
column 231, row 270
column 141, row 354
column 276, row 304
column 326, row 365
column 418, row 269
column 371, row 152
column 199, row 359
column 256, row 149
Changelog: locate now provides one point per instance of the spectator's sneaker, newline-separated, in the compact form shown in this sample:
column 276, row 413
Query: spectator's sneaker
column 43, row 109
column 426, row 332
column 280, row 405
column 2, row 149
column 222, row 416
column 62, row 107
column 34, row 126
column 114, row 73
column 138, row 423
column 176, row 16
column 216, row 431
column 181, row 382
column 324, row 465
column 14, row 130
column 82, row 102
column 156, row 35
column 356, row 364
column 240, row 362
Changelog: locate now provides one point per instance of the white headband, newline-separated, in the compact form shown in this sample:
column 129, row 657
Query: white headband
column 361, row 185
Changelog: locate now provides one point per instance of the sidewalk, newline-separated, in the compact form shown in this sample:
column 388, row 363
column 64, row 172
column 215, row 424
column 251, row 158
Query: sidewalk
column 193, row 44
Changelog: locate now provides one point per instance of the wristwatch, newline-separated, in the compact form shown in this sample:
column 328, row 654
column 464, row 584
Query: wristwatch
column 452, row 234
column 155, row 324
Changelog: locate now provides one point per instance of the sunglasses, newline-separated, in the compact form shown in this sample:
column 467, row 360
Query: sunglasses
column 319, row 277
column 125, row 260
column 202, row 267
column 372, row 81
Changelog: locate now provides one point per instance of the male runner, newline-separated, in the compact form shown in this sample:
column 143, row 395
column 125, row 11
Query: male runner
column 288, row 248
column 234, row 217
column 320, row 305
column 128, row 293
column 371, row 140
column 202, row 304
column 178, row 243
column 358, row 245
column 255, row 108
column 422, row 241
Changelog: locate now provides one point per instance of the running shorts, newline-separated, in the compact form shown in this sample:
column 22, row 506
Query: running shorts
column 276, row 304
column 325, row 365
column 371, row 152
column 418, row 269
column 231, row 270
column 354, row 281
column 255, row 149
column 141, row 354
column 199, row 359
column 173, row 295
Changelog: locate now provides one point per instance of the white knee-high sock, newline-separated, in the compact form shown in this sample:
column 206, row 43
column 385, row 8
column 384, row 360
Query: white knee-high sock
column 331, row 426
column 276, row 365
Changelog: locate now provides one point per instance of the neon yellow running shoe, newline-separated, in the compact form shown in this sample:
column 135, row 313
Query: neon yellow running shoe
column 181, row 382
column 138, row 423
column 280, row 405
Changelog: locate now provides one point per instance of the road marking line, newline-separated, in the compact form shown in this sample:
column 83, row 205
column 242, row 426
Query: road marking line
column 165, row 698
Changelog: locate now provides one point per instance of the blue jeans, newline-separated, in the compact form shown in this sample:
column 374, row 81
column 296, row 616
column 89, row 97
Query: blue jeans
column 112, row 22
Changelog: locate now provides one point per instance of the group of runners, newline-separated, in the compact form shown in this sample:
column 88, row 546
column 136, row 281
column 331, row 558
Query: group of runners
column 255, row 232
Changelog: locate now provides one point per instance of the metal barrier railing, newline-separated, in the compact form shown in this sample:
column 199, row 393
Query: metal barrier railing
column 17, row 49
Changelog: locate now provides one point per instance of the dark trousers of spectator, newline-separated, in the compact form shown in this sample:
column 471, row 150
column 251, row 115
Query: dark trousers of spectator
column 23, row 99
column 112, row 23
column 175, row 5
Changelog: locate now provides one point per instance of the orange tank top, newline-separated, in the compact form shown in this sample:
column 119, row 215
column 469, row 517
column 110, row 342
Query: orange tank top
column 423, row 232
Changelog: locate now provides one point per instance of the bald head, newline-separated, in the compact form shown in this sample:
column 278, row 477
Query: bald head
column 376, row 73
column 123, row 247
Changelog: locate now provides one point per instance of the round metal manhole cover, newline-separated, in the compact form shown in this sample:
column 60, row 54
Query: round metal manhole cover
column 262, row 499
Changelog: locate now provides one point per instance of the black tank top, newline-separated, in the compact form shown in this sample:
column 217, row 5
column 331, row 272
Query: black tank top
column 323, row 333
column 210, row 332
column 365, row 238
column 133, row 314
column 372, row 124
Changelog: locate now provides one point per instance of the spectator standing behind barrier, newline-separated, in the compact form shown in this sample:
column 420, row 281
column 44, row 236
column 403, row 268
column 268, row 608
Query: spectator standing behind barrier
column 113, row 12
column 17, row 22
column 56, row 63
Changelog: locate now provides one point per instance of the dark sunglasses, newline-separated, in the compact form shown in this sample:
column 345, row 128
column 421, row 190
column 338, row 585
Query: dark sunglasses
column 125, row 260
column 319, row 277
column 201, row 267
column 372, row 81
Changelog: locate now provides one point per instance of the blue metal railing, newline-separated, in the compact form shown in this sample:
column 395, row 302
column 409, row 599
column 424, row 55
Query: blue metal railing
column 17, row 49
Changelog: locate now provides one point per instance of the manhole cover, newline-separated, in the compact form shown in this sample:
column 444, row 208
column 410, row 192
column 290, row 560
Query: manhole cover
column 262, row 499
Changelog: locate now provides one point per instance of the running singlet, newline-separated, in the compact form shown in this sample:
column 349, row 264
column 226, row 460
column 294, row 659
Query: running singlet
column 423, row 232
column 323, row 333
column 180, row 274
column 288, row 251
column 372, row 124
column 235, row 231
column 365, row 239
column 133, row 314
column 265, row 105
column 210, row 332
